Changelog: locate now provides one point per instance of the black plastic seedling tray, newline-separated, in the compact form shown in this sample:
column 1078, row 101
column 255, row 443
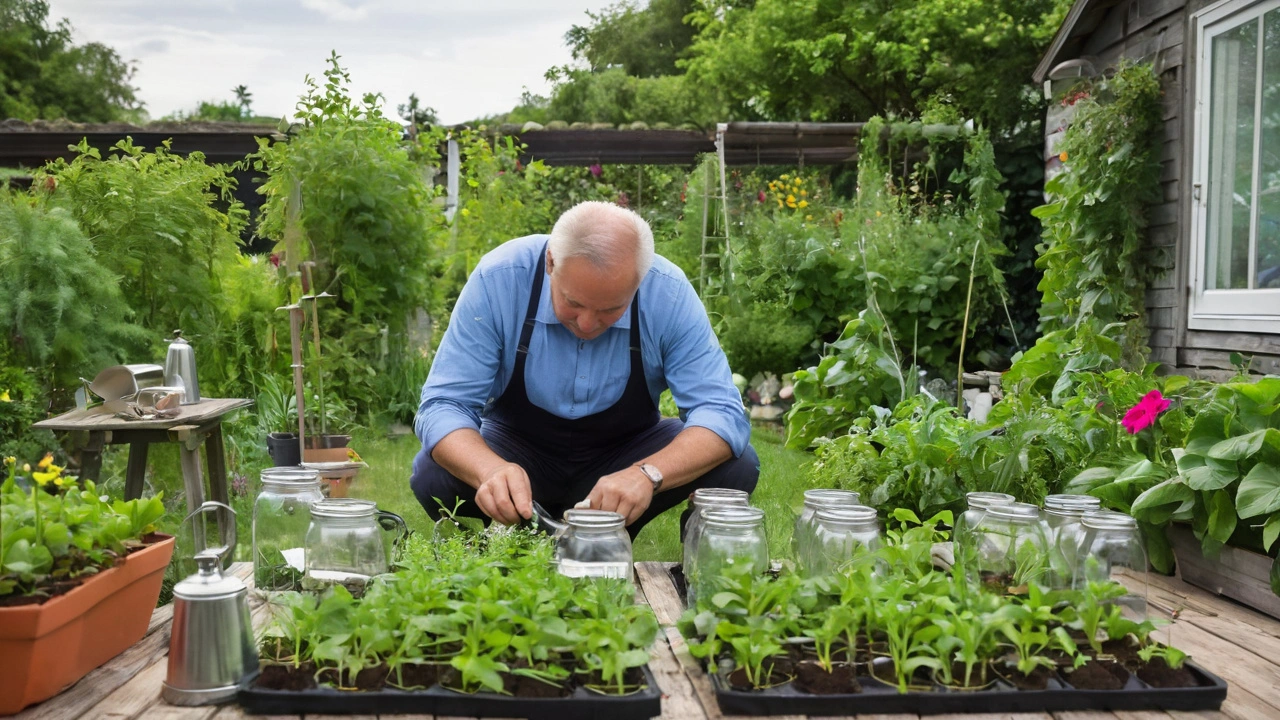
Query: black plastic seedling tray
column 583, row 704
column 878, row 697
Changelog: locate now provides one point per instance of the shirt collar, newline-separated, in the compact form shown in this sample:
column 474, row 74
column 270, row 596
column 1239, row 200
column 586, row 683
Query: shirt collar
column 547, row 313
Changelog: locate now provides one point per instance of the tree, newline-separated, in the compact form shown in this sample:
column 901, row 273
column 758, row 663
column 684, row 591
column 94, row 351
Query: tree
column 415, row 113
column 846, row 61
column 43, row 75
column 643, row 42
column 244, row 99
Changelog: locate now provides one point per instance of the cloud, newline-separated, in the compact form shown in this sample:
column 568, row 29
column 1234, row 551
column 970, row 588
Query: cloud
column 466, row 59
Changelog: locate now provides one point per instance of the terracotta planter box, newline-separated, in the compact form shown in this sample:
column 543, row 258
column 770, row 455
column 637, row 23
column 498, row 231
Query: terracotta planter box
column 46, row 648
column 1242, row 575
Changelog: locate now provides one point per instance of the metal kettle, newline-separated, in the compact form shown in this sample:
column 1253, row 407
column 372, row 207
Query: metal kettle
column 180, row 368
column 211, row 647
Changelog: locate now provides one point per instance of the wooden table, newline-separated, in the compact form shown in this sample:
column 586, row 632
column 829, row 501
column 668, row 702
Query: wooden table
column 1238, row 644
column 199, row 423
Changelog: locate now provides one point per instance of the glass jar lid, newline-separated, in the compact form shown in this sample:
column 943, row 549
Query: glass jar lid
column 290, row 476
column 344, row 508
column 1081, row 502
column 847, row 515
column 986, row 500
column 719, row 496
column 1108, row 520
column 594, row 519
column 1017, row 512
column 734, row 517
column 824, row 497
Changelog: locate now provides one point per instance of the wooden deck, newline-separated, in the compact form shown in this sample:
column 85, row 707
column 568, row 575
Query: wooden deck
column 1240, row 645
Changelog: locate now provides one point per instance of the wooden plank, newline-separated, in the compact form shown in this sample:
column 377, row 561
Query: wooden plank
column 1170, row 191
column 233, row 712
column 161, row 711
column 1221, row 359
column 1164, row 280
column 1160, row 317
column 659, row 591
column 1142, row 13
column 100, row 419
column 134, row 697
column 1236, row 664
column 1161, row 298
column 1238, row 341
column 1108, row 33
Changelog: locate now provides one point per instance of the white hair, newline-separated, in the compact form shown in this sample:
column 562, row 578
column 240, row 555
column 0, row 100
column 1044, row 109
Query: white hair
column 605, row 234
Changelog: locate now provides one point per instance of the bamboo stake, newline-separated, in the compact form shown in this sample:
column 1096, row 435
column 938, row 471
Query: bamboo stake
column 964, row 331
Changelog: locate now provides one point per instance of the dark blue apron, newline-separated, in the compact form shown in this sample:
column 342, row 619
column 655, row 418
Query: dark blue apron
column 574, row 440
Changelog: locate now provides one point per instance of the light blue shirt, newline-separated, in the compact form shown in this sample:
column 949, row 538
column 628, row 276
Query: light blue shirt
column 566, row 376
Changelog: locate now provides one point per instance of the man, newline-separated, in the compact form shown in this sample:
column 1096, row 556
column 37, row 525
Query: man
column 545, row 385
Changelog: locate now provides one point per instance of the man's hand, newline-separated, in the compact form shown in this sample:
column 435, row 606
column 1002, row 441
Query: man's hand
column 627, row 492
column 505, row 494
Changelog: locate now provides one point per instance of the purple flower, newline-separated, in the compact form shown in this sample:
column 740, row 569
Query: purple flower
column 596, row 170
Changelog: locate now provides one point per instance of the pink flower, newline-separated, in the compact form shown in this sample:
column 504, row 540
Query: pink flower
column 596, row 170
column 1142, row 415
column 760, row 196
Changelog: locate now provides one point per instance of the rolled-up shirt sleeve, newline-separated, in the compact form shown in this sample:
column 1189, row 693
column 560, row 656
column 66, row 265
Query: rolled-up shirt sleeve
column 698, row 373
column 463, row 371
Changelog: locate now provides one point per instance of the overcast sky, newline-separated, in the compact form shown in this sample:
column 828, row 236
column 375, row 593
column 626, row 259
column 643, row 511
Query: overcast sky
column 465, row 58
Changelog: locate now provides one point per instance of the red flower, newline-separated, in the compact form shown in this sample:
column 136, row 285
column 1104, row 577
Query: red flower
column 275, row 259
column 1142, row 415
column 761, row 197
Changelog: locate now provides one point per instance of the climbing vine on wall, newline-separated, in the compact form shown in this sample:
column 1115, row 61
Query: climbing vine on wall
column 1094, row 255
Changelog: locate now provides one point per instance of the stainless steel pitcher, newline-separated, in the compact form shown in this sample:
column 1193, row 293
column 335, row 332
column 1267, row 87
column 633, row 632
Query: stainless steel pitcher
column 180, row 368
column 211, row 647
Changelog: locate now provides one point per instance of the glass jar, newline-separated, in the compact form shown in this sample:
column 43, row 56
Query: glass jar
column 281, row 516
column 1010, row 549
column 594, row 543
column 1110, row 546
column 815, row 500
column 841, row 535
column 1062, row 528
column 702, row 500
column 963, row 543
column 345, row 543
column 731, row 537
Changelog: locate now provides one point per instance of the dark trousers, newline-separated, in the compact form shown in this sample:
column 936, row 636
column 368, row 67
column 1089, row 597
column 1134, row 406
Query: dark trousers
column 558, row 484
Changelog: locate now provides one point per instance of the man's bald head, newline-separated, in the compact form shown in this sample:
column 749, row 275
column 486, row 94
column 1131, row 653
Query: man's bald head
column 606, row 235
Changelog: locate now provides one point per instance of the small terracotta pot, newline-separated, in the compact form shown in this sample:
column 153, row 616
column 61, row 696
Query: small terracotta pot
column 46, row 648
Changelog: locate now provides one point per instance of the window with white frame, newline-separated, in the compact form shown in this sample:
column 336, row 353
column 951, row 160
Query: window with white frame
column 1235, row 248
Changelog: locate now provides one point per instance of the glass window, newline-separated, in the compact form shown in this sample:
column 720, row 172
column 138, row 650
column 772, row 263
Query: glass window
column 1236, row 243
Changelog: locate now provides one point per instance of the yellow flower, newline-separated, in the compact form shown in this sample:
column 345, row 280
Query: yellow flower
column 799, row 180
column 353, row 456
column 43, row 478
column 877, row 213
column 45, row 462
column 791, row 198
column 803, row 203
column 804, row 193
column 4, row 397
column 26, row 467
column 808, row 217
column 773, row 185
column 465, row 212
column 779, row 203
column 791, row 204
column 785, row 177
column 11, row 460
column 1062, row 156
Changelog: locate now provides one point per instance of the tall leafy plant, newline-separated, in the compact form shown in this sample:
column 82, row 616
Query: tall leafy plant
column 364, row 210
column 1093, row 256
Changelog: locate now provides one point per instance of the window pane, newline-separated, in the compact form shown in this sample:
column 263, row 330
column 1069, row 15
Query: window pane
column 1268, row 258
column 1233, row 68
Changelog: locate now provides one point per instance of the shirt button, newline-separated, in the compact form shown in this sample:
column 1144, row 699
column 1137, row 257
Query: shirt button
column 582, row 377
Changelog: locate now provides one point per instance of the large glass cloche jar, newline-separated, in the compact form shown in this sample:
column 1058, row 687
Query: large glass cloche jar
column 281, row 516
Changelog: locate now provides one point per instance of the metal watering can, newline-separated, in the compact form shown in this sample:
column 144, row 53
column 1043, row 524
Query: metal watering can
column 211, row 648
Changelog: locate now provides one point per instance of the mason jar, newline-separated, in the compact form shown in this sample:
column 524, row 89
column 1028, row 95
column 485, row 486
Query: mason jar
column 731, row 537
column 346, row 543
column 594, row 543
column 1111, row 546
column 840, row 536
column 1010, row 549
column 281, row 516
column 963, row 542
column 815, row 500
column 1062, row 516
column 701, row 500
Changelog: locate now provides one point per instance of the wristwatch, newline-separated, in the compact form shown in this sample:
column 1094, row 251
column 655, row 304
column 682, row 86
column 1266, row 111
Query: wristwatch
column 654, row 475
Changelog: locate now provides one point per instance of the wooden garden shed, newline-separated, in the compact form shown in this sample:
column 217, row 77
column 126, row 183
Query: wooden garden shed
column 1217, row 229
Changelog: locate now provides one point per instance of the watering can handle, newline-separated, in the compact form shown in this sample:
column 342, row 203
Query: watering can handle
column 222, row 551
column 390, row 521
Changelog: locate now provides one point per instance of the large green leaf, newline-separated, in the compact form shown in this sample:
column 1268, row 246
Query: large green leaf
column 1270, row 532
column 1212, row 475
column 1259, row 492
column 1159, row 551
column 1222, row 516
column 1158, row 504
column 1245, row 446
